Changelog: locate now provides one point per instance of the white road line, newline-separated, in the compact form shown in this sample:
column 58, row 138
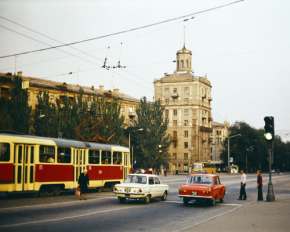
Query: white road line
column 49, row 204
column 64, row 218
column 208, row 219
column 180, row 202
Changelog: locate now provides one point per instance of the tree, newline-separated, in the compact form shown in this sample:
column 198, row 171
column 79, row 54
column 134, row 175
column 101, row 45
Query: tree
column 146, row 143
column 15, row 111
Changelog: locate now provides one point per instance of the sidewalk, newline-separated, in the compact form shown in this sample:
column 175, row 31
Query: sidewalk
column 256, row 216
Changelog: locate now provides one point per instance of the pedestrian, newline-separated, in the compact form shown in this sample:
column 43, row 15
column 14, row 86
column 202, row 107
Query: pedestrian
column 260, row 186
column 158, row 172
column 243, row 195
column 165, row 171
column 83, row 184
column 278, row 171
column 150, row 170
column 147, row 171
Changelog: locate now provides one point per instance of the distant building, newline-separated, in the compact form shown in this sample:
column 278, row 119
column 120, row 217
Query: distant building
column 219, row 133
column 58, row 90
column 187, row 101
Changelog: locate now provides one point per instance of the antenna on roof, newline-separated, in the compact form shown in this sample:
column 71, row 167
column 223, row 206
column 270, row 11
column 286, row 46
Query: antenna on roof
column 184, row 37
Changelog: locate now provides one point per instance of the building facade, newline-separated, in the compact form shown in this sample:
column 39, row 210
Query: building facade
column 58, row 90
column 187, row 101
column 219, row 133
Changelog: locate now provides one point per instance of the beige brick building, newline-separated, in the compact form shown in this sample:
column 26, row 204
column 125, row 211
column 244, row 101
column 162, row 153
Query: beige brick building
column 187, row 101
column 58, row 90
column 219, row 133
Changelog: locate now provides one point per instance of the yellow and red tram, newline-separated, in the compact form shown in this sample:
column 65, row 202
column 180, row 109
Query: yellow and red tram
column 48, row 165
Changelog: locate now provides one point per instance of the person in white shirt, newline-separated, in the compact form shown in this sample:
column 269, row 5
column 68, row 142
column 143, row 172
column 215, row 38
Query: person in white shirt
column 243, row 195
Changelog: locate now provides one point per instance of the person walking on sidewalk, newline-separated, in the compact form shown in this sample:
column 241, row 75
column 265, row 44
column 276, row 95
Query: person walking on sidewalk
column 83, row 183
column 243, row 195
column 260, row 186
column 165, row 171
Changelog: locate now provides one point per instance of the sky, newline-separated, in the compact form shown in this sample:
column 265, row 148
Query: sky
column 243, row 48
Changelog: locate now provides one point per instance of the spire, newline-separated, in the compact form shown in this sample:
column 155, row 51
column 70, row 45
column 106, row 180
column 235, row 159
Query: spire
column 184, row 37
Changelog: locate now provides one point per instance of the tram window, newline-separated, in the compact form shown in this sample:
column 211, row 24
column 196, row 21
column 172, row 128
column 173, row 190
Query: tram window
column 117, row 157
column 32, row 155
column 63, row 155
column 106, row 157
column 26, row 156
column 4, row 152
column 46, row 154
column 20, row 155
column 19, row 174
column 31, row 174
column 94, row 156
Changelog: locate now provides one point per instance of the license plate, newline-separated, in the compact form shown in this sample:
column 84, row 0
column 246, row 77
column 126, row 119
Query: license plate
column 194, row 193
column 127, row 195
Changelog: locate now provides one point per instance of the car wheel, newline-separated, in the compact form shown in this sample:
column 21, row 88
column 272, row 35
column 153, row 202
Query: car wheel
column 122, row 199
column 147, row 199
column 212, row 202
column 222, row 199
column 163, row 198
column 185, row 201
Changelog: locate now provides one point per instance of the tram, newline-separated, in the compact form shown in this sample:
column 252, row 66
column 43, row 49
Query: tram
column 46, row 166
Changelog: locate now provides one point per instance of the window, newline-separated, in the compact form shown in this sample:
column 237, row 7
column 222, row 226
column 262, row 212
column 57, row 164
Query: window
column 136, row 179
column 174, row 122
column 5, row 93
column 186, row 90
column 156, row 180
column 186, row 112
column 122, row 108
column 185, row 144
column 175, row 90
column 151, row 180
column 166, row 112
column 185, row 156
column 117, row 157
column 174, row 155
column 46, row 154
column 71, row 101
column 61, row 99
column 187, row 64
column 131, row 109
column 63, row 155
column 106, row 157
column 4, row 152
column 175, row 100
column 174, row 133
column 185, row 101
column 174, row 144
column 185, row 122
column 94, row 156
column 185, row 133
column 166, row 90
column 130, row 121
column 175, row 112
column 182, row 64
column 167, row 101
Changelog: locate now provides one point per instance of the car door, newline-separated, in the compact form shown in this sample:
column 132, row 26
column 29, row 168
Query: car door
column 218, row 187
column 152, row 187
column 158, row 187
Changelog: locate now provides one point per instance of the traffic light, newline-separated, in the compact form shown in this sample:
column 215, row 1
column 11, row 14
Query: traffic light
column 269, row 128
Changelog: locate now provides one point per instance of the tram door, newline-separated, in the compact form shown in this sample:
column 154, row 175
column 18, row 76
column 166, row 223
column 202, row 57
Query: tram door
column 79, row 162
column 126, row 162
column 24, row 167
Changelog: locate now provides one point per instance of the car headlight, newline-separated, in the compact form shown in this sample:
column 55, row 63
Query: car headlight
column 115, row 189
column 140, row 190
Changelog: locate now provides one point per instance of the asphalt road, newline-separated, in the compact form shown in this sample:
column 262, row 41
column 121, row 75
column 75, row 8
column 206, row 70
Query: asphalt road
column 103, row 212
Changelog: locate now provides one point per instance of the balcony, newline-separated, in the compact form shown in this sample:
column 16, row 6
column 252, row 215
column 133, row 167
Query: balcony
column 203, row 139
column 209, row 140
column 210, row 118
column 203, row 96
column 204, row 116
column 174, row 138
column 174, row 95
column 132, row 114
column 210, row 99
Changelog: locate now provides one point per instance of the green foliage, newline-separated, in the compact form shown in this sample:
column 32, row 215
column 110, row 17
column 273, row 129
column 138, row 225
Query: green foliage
column 146, row 143
column 252, row 144
column 15, row 111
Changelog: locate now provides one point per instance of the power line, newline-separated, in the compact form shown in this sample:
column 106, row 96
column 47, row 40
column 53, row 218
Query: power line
column 122, row 32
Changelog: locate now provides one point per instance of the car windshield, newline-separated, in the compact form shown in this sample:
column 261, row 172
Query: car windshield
column 199, row 180
column 135, row 179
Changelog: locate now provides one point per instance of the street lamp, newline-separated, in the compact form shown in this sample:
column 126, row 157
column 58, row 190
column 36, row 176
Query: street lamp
column 248, row 149
column 129, row 143
column 229, row 151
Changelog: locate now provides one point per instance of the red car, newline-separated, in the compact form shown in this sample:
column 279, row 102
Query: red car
column 202, row 187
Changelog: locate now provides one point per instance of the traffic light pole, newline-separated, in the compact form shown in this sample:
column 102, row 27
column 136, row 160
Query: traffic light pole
column 270, row 193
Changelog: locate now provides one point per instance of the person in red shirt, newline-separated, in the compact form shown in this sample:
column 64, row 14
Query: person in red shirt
column 260, row 186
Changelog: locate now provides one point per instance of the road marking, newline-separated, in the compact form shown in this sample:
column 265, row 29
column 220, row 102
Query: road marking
column 180, row 202
column 65, row 218
column 67, row 202
column 221, row 214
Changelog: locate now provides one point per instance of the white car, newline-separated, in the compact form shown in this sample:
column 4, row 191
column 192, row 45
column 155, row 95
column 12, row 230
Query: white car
column 141, row 186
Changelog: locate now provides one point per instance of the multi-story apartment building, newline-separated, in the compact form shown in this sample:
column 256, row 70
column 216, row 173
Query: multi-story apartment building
column 219, row 133
column 58, row 90
column 187, row 101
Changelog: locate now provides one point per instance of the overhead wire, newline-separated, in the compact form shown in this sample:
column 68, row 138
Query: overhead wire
column 121, row 32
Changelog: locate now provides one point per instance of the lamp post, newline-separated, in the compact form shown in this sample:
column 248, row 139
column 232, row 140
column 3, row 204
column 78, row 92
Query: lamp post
column 229, row 151
column 129, row 143
column 248, row 149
